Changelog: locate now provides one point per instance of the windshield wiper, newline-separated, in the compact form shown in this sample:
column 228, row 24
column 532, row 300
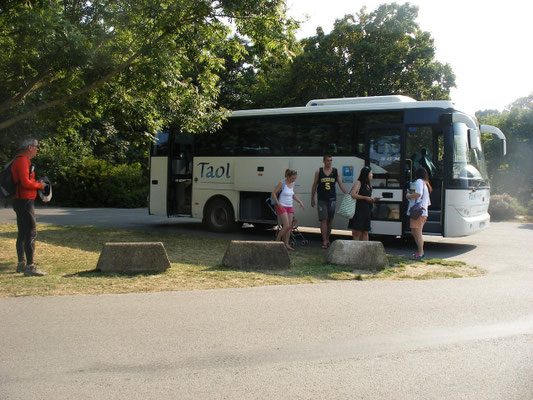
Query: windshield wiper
column 476, row 183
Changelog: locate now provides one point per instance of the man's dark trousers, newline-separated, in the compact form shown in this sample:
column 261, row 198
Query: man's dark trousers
column 27, row 229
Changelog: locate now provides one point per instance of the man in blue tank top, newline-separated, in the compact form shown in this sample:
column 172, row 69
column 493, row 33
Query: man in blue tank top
column 324, row 185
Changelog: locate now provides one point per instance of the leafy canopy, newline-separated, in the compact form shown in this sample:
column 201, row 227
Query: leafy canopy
column 155, row 62
column 374, row 53
column 512, row 173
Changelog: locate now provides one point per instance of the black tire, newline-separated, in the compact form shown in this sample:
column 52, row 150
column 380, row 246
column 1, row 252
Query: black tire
column 219, row 216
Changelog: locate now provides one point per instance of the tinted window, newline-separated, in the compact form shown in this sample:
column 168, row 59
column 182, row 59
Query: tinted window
column 301, row 134
column 366, row 121
column 264, row 136
column 468, row 163
column 384, row 153
column 222, row 142
column 422, row 144
column 382, row 118
column 161, row 147
column 324, row 134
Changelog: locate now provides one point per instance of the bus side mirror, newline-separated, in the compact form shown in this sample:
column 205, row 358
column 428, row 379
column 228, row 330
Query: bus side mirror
column 473, row 136
column 495, row 131
column 474, row 140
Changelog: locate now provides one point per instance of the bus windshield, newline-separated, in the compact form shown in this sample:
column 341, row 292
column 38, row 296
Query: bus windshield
column 468, row 164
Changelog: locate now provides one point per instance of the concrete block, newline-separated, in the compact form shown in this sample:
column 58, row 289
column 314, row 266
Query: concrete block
column 368, row 255
column 256, row 255
column 133, row 257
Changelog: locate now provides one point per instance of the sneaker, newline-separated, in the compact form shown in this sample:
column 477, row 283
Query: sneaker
column 418, row 256
column 21, row 266
column 32, row 270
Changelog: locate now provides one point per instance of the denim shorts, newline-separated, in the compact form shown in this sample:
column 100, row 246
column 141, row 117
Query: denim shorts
column 326, row 210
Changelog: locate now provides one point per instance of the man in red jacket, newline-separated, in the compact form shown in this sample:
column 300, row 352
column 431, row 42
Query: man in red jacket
column 24, row 177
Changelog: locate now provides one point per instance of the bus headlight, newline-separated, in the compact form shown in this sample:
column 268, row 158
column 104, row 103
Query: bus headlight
column 463, row 211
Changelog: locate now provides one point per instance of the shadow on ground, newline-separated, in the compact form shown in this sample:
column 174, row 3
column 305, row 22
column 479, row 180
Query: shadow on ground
column 526, row 226
column 95, row 273
column 5, row 266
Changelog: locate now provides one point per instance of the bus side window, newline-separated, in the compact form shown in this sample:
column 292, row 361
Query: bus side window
column 325, row 134
column 422, row 148
column 160, row 145
column 384, row 155
column 278, row 134
column 360, row 144
column 342, row 134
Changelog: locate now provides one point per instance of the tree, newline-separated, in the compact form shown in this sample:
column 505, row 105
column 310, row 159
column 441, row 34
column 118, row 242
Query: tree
column 239, row 80
column 150, row 62
column 378, row 53
column 511, row 174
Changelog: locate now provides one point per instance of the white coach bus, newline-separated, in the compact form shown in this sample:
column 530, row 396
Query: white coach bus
column 224, row 178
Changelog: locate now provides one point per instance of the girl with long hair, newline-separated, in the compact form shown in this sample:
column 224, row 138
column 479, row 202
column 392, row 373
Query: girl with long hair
column 362, row 193
column 284, row 209
column 421, row 192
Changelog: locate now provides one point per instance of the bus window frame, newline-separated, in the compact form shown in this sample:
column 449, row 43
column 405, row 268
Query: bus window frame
column 401, row 132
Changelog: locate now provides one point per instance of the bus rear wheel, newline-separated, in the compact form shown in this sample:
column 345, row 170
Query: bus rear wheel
column 219, row 216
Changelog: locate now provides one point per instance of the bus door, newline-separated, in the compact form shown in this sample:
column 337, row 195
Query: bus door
column 180, row 175
column 425, row 148
column 157, row 204
column 384, row 156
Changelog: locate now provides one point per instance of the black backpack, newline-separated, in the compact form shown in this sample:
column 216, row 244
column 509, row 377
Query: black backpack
column 7, row 186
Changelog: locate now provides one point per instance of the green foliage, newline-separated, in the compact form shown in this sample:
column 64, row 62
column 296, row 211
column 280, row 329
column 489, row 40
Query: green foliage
column 97, row 183
column 155, row 62
column 95, row 81
column 378, row 53
column 502, row 207
column 239, row 80
column 511, row 174
column 58, row 157
column 81, row 180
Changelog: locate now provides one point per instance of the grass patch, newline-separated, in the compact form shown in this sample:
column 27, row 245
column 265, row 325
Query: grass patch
column 69, row 254
column 430, row 268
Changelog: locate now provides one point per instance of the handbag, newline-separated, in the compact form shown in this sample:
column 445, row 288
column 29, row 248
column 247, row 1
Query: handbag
column 347, row 208
column 416, row 210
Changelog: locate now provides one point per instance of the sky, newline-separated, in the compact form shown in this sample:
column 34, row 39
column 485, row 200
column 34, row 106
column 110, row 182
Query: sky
column 486, row 42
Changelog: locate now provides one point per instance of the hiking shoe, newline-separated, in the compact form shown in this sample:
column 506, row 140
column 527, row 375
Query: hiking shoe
column 21, row 266
column 32, row 270
column 418, row 256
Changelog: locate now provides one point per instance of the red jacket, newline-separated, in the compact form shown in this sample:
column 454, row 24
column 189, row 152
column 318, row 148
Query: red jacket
column 26, row 184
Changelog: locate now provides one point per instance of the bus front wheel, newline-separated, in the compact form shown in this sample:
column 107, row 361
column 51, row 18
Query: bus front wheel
column 219, row 216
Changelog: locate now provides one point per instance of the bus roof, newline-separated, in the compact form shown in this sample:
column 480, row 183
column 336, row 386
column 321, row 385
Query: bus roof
column 360, row 100
column 375, row 103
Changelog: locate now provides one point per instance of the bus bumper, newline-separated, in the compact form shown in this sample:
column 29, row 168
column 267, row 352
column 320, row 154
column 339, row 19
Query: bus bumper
column 458, row 225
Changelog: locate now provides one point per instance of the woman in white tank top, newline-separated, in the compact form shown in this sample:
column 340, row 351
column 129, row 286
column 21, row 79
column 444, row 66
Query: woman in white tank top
column 284, row 209
column 419, row 194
